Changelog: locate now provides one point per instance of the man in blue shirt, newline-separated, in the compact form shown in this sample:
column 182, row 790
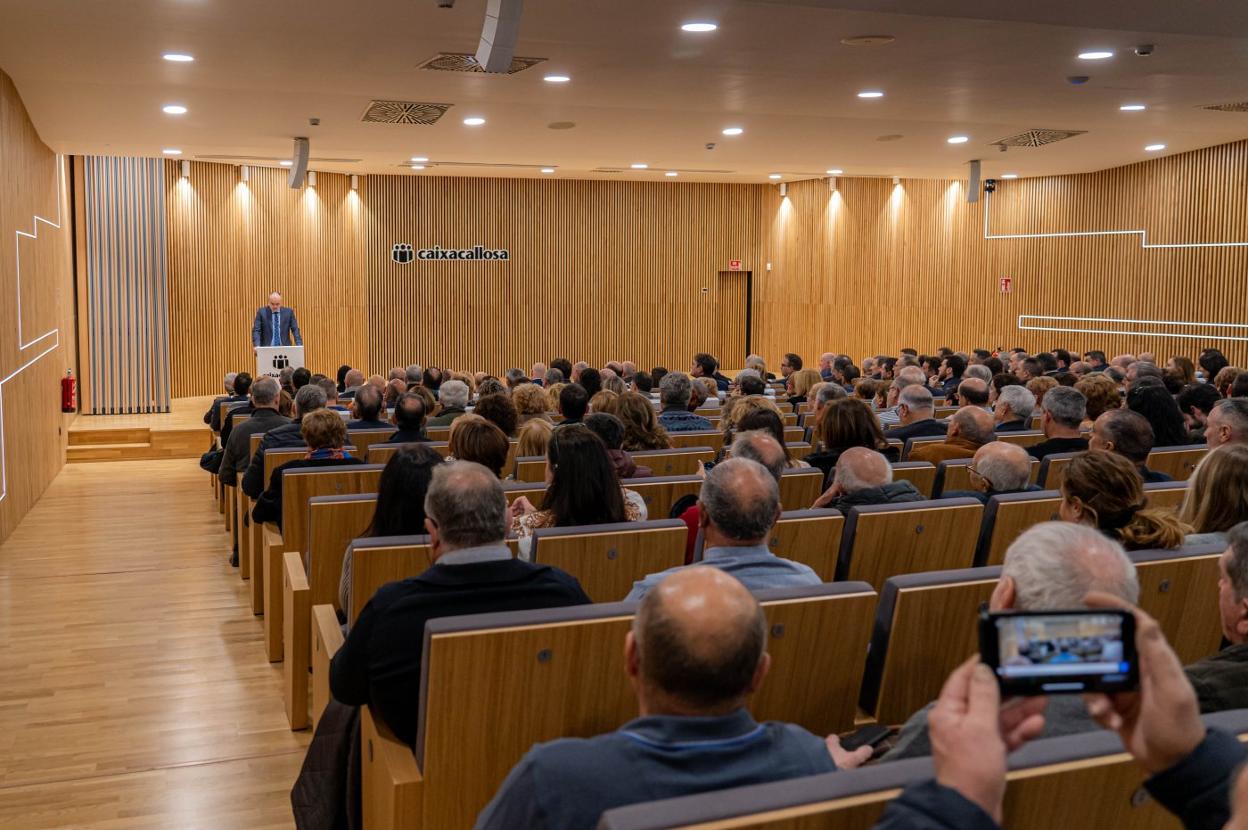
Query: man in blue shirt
column 675, row 391
column 695, row 655
column 737, row 508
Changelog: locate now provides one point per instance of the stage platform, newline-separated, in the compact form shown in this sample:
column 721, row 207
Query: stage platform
column 179, row 433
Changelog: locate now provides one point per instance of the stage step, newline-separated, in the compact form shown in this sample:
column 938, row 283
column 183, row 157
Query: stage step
column 132, row 444
column 108, row 452
column 95, row 437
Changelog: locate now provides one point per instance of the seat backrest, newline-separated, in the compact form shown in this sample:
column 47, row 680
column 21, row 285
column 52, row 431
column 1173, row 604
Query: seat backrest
column 299, row 486
column 531, row 468
column 908, row 661
column 531, row 658
column 1007, row 516
column 919, row 441
column 438, row 433
column 712, row 438
column 365, row 438
column 382, row 453
column 684, row 461
column 1179, row 588
column 333, row 521
column 661, row 492
column 955, row 475
column 886, row 540
column 1053, row 469
column 1177, row 462
column 1163, row 494
column 1023, row 438
column 919, row 473
column 800, row 486
column 812, row 537
column 608, row 559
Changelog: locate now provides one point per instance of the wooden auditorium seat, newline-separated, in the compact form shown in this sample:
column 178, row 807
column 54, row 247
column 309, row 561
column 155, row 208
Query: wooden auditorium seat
column 607, row 559
column 1007, row 516
column 362, row 439
column 1177, row 462
column 885, row 540
column 382, row 453
column 800, row 486
column 709, row 438
column 919, row 473
column 1024, row 438
column 1163, row 494
column 911, row 443
column 953, row 475
column 674, row 462
column 812, row 537
column 1053, row 470
column 1179, row 588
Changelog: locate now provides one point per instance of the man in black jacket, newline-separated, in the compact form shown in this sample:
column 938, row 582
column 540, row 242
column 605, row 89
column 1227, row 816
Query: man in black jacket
column 1130, row 435
column 308, row 399
column 473, row 573
column 264, row 417
column 409, row 417
column 1064, row 409
column 238, row 384
column 863, row 477
column 1221, row 681
column 998, row 468
column 367, row 409
column 915, row 411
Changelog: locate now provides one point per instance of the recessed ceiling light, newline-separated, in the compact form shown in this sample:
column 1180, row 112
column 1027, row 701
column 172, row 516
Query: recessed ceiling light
column 1009, row 175
column 419, row 159
column 774, row 176
column 286, row 163
column 1132, row 107
column 474, row 121
column 733, row 131
column 1152, row 148
column 699, row 26
column 178, row 57
column 670, row 173
column 557, row 79
column 639, row 166
column 957, row 139
column 170, row 151
column 835, row 171
column 418, row 167
column 871, row 93
column 548, row 169
column 174, row 109
column 1096, row 55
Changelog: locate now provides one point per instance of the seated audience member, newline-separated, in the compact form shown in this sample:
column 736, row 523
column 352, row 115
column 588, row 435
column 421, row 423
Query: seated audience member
column 395, row 389
column 341, row 384
column 413, row 374
column 1211, row 362
column 591, row 380
column 473, row 573
column 366, row 407
column 530, row 402
column 553, row 391
column 999, row 381
column 264, row 417
column 707, row 366
column 657, row 373
column 863, row 477
column 611, row 430
column 908, row 376
column 997, row 469
column 846, row 423
column 1227, row 423
column 1064, row 409
column 710, row 392
column 1013, row 409
column 553, row 375
column 825, row 393
column 1039, row 386
column 514, row 377
column 1139, row 370
column 490, row 385
column 400, row 509
column 675, row 391
column 642, row 430
column 453, row 397
column 500, row 411
column 474, row 438
column 697, row 395
column 1225, row 380
column 760, row 413
column 1122, row 361
column 603, row 401
column 1162, row 413
column 969, row 429
column 1196, row 401
column 749, row 383
column 737, row 508
column 1050, row 567
column 533, row 437
column 755, row 445
column 949, row 374
column 581, row 488
column 642, row 384
column 613, row 383
column 573, row 404
column 1101, row 395
column 353, row 379
column 915, row 413
column 302, row 376
column 825, row 365
column 865, row 389
column 979, row 371
column 1080, row 369
column 564, row 367
column 409, row 417
column 396, row 373
column 758, row 364
column 213, row 416
column 284, row 380
column 799, row 385
column 1217, row 495
column 973, row 392
column 1128, row 434
column 695, row 656
column 1103, row 490
column 789, row 364
column 432, row 379
column 1221, row 681
column 325, row 435
column 331, row 395
column 629, row 371
column 309, row 399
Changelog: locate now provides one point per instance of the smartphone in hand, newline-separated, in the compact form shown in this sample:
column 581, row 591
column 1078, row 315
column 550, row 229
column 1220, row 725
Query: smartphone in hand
column 1060, row 652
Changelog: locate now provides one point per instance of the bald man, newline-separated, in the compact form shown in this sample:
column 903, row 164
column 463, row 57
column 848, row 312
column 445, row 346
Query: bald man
column 862, row 477
column 274, row 324
column 996, row 469
column 969, row 429
column 695, row 655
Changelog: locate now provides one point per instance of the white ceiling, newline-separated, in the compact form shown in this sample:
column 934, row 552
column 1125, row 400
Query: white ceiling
column 642, row 90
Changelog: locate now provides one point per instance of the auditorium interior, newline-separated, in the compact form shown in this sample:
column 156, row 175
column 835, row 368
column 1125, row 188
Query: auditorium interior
column 856, row 261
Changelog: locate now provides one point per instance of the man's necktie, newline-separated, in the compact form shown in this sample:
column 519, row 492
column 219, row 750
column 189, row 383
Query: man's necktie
column 276, row 316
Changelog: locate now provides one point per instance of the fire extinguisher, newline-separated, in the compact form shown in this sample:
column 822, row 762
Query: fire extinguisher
column 69, row 392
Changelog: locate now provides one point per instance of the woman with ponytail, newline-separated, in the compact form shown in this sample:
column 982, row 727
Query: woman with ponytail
column 1104, row 490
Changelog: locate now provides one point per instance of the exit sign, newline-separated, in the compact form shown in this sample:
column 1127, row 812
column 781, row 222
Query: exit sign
column 1007, row 285
column 734, row 265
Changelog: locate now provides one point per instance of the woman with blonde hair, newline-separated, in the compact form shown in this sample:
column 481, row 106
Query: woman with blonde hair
column 1217, row 495
column 1104, row 490
column 552, row 396
column 611, row 382
column 1102, row 394
column 710, row 391
column 800, row 383
column 533, row 437
column 1039, row 386
column 602, row 401
column 642, row 430
column 531, row 402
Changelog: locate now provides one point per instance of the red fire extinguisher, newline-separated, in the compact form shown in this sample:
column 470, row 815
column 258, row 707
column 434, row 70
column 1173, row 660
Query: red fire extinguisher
column 69, row 392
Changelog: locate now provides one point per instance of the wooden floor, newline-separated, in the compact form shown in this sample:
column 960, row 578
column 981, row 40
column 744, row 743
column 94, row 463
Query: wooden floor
column 184, row 413
column 134, row 690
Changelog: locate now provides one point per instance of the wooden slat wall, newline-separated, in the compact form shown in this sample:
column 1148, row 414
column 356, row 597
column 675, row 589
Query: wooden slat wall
column 127, row 313
column 35, row 353
column 875, row 267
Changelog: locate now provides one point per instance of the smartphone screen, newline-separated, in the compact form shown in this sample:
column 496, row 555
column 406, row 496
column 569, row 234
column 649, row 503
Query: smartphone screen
column 1060, row 652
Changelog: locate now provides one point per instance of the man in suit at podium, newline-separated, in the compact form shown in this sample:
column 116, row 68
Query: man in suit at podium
column 274, row 325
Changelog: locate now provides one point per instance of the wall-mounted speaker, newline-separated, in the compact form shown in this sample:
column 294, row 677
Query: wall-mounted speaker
column 499, row 34
column 299, row 164
column 972, row 184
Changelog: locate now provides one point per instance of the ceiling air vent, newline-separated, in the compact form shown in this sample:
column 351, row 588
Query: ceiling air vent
column 1037, row 138
column 404, row 112
column 465, row 62
column 1242, row 106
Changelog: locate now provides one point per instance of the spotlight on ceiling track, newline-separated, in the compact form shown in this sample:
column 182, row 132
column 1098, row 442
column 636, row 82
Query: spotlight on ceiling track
column 784, row 188
column 186, row 169
column 244, row 173
column 355, row 182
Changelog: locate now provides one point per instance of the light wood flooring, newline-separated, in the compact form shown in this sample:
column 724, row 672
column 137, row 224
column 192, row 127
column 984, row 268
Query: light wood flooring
column 134, row 690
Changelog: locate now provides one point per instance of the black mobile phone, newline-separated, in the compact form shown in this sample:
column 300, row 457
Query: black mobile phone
column 1060, row 652
column 708, row 465
column 872, row 735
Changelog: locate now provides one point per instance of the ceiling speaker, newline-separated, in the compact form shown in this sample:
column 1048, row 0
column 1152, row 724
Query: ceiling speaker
column 299, row 164
column 499, row 34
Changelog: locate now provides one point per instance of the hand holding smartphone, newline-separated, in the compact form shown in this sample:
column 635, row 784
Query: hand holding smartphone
column 1060, row 652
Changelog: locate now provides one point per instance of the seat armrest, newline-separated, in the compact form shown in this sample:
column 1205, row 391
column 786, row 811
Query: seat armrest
column 326, row 640
column 392, row 785
column 296, row 648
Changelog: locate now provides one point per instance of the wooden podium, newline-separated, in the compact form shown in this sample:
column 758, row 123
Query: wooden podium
column 271, row 360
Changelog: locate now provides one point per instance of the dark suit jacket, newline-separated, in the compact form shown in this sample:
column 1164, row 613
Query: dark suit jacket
column 1221, row 681
column 262, row 327
column 404, row 436
column 269, row 505
column 379, row 664
column 227, row 425
column 1056, row 445
column 213, row 416
column 368, row 425
column 287, row 435
column 237, row 448
column 1014, row 426
column 928, row 427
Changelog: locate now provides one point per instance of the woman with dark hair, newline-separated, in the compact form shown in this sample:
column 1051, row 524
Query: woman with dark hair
column 400, row 509
column 500, row 411
column 769, row 421
column 642, row 430
column 431, row 379
column 581, row 488
column 477, row 439
column 1159, row 408
column 1104, row 490
column 1212, row 361
column 845, row 423
column 611, row 430
column 342, row 378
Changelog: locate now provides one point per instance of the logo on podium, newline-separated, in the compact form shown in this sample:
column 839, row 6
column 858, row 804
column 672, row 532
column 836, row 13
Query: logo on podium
column 280, row 361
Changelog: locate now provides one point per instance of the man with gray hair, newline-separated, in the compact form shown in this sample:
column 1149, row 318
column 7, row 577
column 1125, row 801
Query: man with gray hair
column 228, row 383
column 552, row 377
column 758, row 364
column 749, row 382
column 264, row 417
column 997, row 468
column 1227, row 423
column 675, row 391
column 863, row 476
column 308, row 399
column 907, row 376
column 367, row 407
column 737, row 508
column 1014, row 408
column 515, row 377
column 473, row 572
column 824, row 393
column 453, row 397
column 1050, row 567
column 537, row 374
column 978, row 371
column 1064, row 409
column 415, row 374
column 1221, row 681
column 916, row 415
column 969, row 429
